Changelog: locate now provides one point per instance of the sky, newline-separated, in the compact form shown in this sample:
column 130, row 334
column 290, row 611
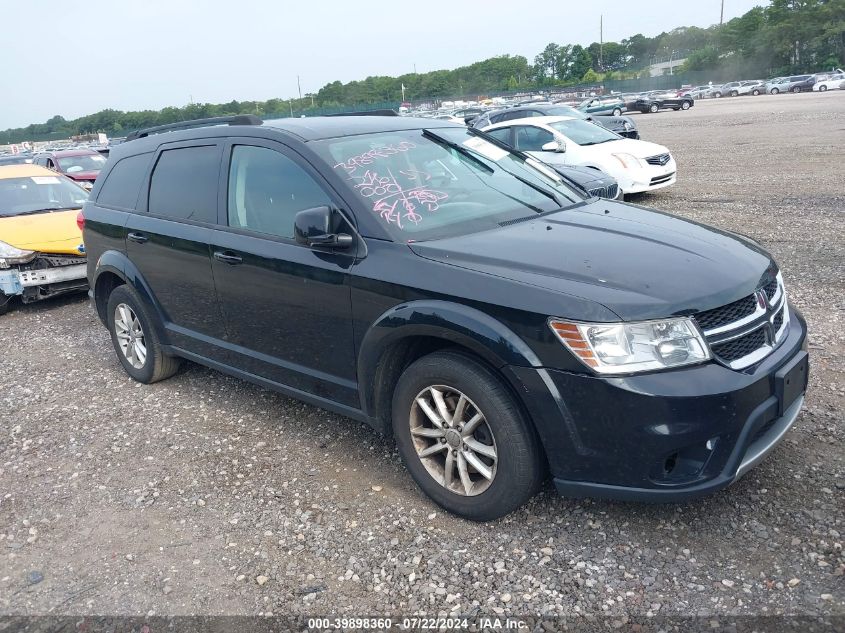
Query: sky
column 72, row 59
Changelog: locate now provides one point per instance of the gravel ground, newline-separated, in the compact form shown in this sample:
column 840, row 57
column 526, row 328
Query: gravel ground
column 206, row 495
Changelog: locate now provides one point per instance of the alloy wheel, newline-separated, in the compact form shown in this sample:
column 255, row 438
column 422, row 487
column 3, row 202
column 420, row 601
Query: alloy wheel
column 130, row 335
column 453, row 440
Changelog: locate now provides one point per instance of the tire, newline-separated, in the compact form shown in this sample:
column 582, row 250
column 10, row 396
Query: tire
column 795, row 90
column 653, row 108
column 519, row 466
column 755, row 92
column 5, row 303
column 617, row 112
column 685, row 105
column 734, row 93
column 718, row 95
column 822, row 88
column 155, row 365
column 775, row 91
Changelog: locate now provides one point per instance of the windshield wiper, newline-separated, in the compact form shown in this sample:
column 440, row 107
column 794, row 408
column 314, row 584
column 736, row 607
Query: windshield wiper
column 525, row 157
column 458, row 148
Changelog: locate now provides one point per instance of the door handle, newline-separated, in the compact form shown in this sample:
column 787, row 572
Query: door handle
column 227, row 258
column 140, row 238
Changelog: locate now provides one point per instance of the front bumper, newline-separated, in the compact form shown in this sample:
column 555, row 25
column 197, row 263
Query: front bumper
column 14, row 281
column 664, row 436
column 649, row 178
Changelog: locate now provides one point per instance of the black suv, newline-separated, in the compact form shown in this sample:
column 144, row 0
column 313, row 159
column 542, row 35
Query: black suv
column 415, row 275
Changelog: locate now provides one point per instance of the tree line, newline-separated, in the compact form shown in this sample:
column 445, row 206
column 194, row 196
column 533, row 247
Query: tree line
column 784, row 37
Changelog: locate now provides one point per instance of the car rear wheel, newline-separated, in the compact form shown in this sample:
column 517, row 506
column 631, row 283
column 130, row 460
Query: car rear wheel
column 795, row 89
column 463, row 437
column 775, row 91
column 822, row 88
column 755, row 92
column 685, row 105
column 718, row 95
column 734, row 93
column 653, row 108
column 617, row 112
column 135, row 340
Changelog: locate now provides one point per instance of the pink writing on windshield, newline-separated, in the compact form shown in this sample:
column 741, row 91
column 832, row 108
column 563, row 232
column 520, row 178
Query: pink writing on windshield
column 396, row 204
column 352, row 164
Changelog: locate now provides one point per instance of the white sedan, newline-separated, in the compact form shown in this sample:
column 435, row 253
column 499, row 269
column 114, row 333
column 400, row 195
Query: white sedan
column 562, row 140
column 835, row 82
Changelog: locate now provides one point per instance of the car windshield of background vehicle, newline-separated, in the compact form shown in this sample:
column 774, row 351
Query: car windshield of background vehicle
column 584, row 133
column 39, row 194
column 564, row 111
column 422, row 187
column 86, row 162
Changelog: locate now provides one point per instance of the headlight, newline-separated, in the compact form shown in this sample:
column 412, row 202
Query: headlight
column 628, row 161
column 10, row 255
column 625, row 348
column 627, row 126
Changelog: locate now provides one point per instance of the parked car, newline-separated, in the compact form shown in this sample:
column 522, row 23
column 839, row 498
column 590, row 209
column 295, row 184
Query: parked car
column 697, row 92
column 834, row 82
column 81, row 165
column 786, row 84
column 41, row 251
column 602, row 105
column 737, row 88
column 621, row 125
column 807, row 84
column 637, row 166
column 656, row 101
column 16, row 159
column 594, row 181
column 462, row 298
column 728, row 89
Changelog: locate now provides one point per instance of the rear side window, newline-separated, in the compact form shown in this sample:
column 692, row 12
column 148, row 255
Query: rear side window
column 184, row 184
column 123, row 182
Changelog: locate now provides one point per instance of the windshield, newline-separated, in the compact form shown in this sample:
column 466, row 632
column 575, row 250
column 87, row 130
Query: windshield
column 583, row 132
column 562, row 110
column 35, row 194
column 85, row 162
column 429, row 184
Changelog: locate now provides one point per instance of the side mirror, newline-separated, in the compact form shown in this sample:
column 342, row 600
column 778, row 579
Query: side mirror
column 554, row 146
column 316, row 227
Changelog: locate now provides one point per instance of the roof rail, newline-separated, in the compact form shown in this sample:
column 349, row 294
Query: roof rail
column 383, row 112
column 240, row 119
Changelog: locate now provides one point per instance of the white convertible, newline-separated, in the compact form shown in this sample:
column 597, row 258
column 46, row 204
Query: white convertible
column 561, row 140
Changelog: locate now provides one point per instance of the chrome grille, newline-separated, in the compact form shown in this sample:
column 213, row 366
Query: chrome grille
column 660, row 159
column 740, row 347
column 735, row 311
column 745, row 331
column 605, row 192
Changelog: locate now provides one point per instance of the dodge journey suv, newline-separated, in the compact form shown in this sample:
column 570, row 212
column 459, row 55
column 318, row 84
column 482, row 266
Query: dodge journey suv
column 422, row 277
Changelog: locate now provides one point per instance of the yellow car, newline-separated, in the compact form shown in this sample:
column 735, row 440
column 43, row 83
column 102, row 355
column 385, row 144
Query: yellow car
column 41, row 250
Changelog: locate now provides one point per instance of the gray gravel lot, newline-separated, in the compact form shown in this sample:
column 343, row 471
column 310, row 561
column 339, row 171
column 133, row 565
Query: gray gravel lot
column 206, row 495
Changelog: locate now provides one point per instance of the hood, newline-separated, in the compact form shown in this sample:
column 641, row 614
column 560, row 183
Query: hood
column 43, row 232
column 640, row 149
column 586, row 177
column 83, row 175
column 638, row 263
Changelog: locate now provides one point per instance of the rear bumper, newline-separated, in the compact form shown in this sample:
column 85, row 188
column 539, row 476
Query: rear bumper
column 665, row 436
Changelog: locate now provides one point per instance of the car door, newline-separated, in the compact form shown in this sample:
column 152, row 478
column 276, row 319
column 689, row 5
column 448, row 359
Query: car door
column 287, row 306
column 167, row 241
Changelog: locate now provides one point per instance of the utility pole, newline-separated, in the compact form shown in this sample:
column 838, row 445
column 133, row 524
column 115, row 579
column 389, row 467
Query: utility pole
column 722, row 15
column 601, row 42
column 298, row 87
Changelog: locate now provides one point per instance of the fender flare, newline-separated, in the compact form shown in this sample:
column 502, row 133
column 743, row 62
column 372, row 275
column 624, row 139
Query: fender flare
column 457, row 323
column 118, row 263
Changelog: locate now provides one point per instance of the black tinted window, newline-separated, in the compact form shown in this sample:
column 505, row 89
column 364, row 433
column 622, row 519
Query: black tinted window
column 123, row 182
column 532, row 139
column 267, row 189
column 184, row 184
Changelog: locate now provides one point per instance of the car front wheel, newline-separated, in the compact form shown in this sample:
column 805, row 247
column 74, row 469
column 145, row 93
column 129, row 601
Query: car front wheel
column 796, row 89
column 755, row 92
column 685, row 105
column 5, row 303
column 718, row 95
column 775, row 91
column 463, row 437
column 617, row 112
column 135, row 340
column 653, row 108
column 734, row 93
column 822, row 88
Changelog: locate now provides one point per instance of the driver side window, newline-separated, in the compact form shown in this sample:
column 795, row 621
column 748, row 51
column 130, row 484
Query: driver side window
column 267, row 189
column 531, row 139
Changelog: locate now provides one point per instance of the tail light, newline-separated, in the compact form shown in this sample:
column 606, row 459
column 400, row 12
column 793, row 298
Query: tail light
column 80, row 220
